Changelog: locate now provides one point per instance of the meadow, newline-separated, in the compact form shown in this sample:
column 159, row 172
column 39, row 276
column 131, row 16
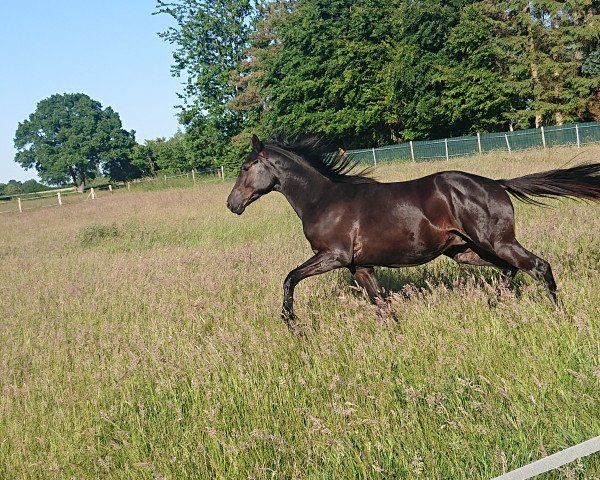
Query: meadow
column 140, row 338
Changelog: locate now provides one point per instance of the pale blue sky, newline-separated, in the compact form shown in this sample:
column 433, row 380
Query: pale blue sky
column 107, row 49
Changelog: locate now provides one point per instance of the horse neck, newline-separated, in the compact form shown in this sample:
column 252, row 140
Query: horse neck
column 303, row 187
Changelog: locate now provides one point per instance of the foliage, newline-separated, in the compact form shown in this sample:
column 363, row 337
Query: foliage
column 591, row 65
column 71, row 137
column 549, row 42
column 329, row 75
column 175, row 154
column 211, row 38
column 372, row 72
column 15, row 187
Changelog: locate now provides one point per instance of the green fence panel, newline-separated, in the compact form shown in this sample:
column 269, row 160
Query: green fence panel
column 493, row 141
column 589, row 132
column 461, row 146
column 392, row 153
column 560, row 135
column 361, row 156
column 525, row 139
column 399, row 152
column 432, row 150
column 423, row 151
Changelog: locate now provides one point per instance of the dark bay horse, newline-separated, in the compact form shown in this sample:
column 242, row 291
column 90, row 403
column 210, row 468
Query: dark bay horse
column 356, row 222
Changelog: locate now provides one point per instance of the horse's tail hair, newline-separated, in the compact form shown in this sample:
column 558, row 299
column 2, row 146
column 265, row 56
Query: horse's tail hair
column 581, row 181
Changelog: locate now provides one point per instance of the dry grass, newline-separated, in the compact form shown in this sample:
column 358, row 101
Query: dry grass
column 140, row 338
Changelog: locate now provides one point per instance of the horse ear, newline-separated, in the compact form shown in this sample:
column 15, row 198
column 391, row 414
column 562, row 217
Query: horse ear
column 257, row 145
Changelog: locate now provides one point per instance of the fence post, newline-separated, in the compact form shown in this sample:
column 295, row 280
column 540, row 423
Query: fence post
column 222, row 173
column 128, row 185
column 577, row 133
column 446, row 145
column 110, row 188
column 374, row 156
column 93, row 194
column 412, row 151
column 507, row 143
column 479, row 142
column 59, row 198
column 543, row 136
column 193, row 176
column 20, row 206
column 165, row 179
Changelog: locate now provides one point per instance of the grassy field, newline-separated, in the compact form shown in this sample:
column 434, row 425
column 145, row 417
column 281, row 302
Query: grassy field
column 140, row 339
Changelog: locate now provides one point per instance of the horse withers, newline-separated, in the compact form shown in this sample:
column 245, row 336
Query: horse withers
column 356, row 222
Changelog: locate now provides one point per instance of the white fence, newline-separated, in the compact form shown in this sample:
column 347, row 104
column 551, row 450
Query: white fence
column 50, row 198
column 56, row 198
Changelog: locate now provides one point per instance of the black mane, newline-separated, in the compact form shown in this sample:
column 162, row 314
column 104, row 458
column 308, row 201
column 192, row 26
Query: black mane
column 337, row 166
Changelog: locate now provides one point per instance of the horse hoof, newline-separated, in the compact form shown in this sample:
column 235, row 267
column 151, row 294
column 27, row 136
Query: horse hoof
column 288, row 318
column 292, row 323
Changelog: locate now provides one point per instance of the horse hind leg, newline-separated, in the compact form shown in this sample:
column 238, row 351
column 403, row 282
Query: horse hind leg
column 538, row 268
column 464, row 254
column 365, row 278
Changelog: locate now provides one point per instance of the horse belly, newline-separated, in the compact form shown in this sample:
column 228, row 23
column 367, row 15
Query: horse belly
column 402, row 245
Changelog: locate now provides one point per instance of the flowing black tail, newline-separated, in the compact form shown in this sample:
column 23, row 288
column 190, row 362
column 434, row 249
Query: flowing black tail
column 582, row 181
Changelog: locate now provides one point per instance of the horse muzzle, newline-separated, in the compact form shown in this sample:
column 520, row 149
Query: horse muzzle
column 235, row 205
column 237, row 209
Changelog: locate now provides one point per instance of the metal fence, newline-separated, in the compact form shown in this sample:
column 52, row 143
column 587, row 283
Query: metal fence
column 421, row 151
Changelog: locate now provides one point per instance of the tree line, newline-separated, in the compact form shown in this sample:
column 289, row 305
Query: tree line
column 373, row 72
column 15, row 187
column 362, row 73
column 72, row 139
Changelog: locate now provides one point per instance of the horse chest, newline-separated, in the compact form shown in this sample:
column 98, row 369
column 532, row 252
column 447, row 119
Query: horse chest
column 329, row 232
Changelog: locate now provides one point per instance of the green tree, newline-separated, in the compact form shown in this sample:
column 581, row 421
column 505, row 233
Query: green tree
column 122, row 169
column 549, row 43
column 212, row 37
column 170, row 154
column 71, row 137
column 15, row 187
column 143, row 157
column 421, row 68
column 167, row 155
column 322, row 66
column 474, row 86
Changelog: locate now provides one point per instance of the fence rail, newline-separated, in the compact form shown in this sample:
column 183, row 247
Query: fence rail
column 55, row 198
column 415, row 151
column 544, row 137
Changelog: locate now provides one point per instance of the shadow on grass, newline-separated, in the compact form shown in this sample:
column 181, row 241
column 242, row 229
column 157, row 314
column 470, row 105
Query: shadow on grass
column 444, row 273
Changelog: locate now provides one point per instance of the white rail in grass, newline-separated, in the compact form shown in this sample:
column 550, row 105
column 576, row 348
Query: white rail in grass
column 553, row 461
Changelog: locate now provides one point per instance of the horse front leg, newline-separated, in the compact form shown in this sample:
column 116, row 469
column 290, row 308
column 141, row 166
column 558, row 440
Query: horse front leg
column 320, row 263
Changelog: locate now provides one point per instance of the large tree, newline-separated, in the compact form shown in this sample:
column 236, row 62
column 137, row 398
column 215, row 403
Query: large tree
column 548, row 46
column 322, row 66
column 70, row 138
column 211, row 39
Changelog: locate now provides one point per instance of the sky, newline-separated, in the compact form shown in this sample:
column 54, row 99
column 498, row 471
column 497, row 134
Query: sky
column 108, row 49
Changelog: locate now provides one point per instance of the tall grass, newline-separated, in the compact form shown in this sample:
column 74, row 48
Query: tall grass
column 140, row 338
